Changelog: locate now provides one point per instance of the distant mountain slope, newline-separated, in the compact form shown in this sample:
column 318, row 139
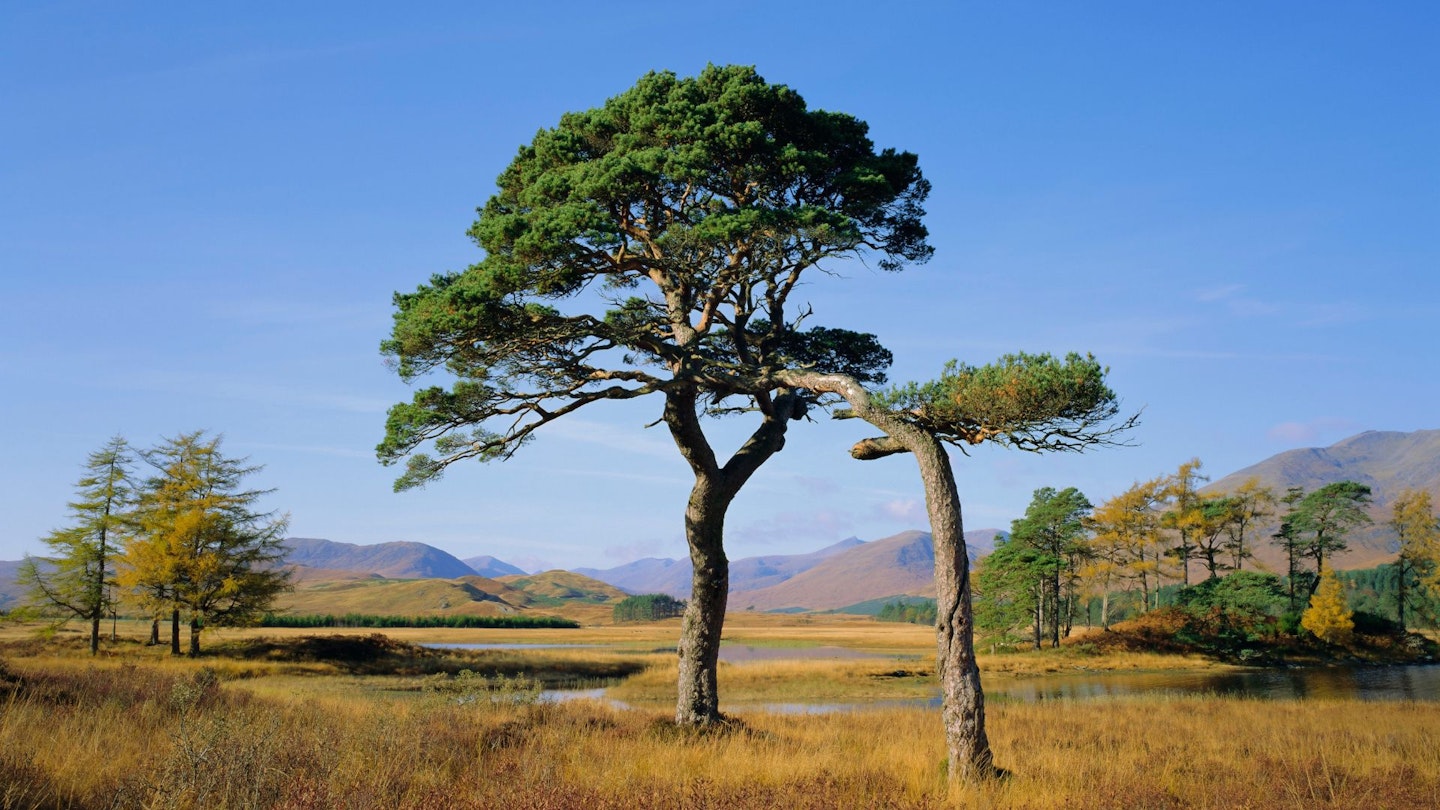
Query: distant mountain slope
column 555, row 587
column 326, row 591
column 659, row 575
column 11, row 593
column 903, row 564
column 488, row 566
column 338, row 595
column 399, row 560
column 1386, row 461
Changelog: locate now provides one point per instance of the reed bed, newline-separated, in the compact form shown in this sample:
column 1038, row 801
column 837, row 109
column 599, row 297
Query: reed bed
column 183, row 735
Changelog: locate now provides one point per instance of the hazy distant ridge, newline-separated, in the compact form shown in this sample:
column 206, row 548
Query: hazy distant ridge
column 659, row 575
column 487, row 566
column 842, row 574
column 398, row 560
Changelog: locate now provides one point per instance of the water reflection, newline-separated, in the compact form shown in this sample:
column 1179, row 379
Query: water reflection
column 744, row 653
column 1421, row 683
column 1346, row 683
column 509, row 646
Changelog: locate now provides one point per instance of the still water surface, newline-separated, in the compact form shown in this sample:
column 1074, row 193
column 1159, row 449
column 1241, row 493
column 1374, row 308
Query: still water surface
column 1418, row 682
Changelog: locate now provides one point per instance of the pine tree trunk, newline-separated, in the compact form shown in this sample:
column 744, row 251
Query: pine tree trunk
column 697, row 697
column 154, row 632
column 698, row 700
column 963, row 700
column 194, row 636
column 175, row 631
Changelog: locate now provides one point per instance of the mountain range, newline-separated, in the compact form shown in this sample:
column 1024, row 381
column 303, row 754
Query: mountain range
column 823, row 579
column 373, row 576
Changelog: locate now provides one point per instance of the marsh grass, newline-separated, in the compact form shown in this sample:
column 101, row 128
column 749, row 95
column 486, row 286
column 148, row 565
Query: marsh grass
column 133, row 736
column 295, row 729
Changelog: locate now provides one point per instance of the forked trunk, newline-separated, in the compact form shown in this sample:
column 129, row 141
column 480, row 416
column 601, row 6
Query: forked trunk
column 697, row 696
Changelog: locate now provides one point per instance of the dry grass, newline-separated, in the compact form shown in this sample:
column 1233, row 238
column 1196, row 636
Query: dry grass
column 136, row 736
column 136, row 728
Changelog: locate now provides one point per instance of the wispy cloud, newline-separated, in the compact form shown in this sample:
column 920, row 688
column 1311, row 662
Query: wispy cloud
column 784, row 527
column 1219, row 293
column 816, row 486
column 629, row 552
column 616, row 475
column 626, row 439
column 287, row 312
column 909, row 511
column 1231, row 297
column 246, row 389
column 1312, row 431
column 314, row 450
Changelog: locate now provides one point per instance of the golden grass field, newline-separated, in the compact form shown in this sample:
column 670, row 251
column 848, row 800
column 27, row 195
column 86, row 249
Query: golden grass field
column 237, row 729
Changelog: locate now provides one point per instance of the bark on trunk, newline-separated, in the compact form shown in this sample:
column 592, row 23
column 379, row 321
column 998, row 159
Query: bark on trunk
column 175, row 632
column 154, row 633
column 697, row 699
column 962, row 699
column 194, row 636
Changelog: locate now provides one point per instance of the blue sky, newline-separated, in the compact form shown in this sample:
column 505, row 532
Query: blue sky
column 207, row 208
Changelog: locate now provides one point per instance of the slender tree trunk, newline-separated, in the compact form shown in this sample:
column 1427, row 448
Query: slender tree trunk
column 1056, row 610
column 1400, row 593
column 697, row 698
column 154, row 632
column 194, row 636
column 1036, row 631
column 962, row 699
column 1105, row 609
column 175, row 631
column 97, row 599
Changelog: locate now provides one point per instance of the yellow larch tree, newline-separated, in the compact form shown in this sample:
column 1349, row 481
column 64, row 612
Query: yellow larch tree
column 1329, row 617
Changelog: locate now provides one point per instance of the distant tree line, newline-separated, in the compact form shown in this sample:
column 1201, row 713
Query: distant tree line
column 919, row 611
column 382, row 621
column 1139, row 551
column 648, row 607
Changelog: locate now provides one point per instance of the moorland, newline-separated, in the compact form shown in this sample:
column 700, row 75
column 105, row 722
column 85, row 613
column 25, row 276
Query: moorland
column 299, row 719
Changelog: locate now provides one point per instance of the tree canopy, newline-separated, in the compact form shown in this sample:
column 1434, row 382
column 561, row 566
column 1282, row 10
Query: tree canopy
column 687, row 209
column 652, row 245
